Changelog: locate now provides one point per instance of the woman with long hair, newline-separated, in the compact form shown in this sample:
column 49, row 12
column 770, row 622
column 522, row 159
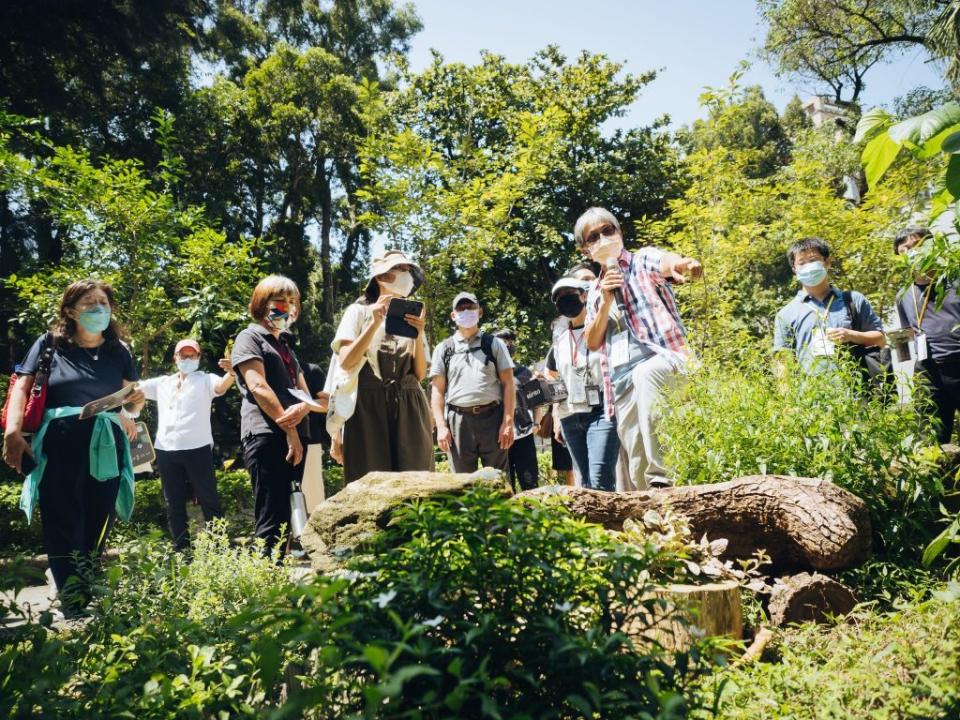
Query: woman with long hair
column 82, row 474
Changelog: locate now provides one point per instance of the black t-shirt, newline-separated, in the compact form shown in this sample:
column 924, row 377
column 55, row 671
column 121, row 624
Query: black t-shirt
column 257, row 343
column 551, row 360
column 79, row 375
column 940, row 326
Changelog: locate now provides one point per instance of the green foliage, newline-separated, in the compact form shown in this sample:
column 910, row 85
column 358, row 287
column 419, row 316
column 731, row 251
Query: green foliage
column 900, row 664
column 484, row 607
column 470, row 607
column 172, row 274
column 482, row 171
column 721, row 426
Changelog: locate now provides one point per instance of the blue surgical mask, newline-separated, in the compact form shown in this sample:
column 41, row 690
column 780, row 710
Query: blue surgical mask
column 188, row 365
column 95, row 320
column 811, row 274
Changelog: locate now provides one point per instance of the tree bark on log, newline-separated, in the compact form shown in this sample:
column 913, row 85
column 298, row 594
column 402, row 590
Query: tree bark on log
column 714, row 609
column 808, row 598
column 802, row 523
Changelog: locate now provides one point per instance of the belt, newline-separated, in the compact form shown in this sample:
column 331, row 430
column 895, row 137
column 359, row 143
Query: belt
column 475, row 409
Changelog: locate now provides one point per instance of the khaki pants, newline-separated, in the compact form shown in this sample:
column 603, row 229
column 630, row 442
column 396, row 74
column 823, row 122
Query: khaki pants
column 477, row 437
column 638, row 413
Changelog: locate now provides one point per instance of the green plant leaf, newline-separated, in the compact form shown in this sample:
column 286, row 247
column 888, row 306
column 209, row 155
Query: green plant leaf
column 918, row 130
column 872, row 122
column 951, row 143
column 878, row 155
column 952, row 176
column 939, row 543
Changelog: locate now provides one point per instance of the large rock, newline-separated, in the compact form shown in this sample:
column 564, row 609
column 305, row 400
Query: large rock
column 802, row 523
column 339, row 524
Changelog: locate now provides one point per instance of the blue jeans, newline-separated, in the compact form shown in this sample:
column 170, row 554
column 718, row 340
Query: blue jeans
column 594, row 446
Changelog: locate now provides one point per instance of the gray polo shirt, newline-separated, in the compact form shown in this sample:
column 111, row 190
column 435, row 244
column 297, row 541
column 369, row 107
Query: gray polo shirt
column 942, row 327
column 256, row 343
column 471, row 380
column 797, row 320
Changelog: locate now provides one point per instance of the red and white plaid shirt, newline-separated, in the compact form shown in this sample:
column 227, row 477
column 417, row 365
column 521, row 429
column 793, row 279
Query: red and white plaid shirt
column 652, row 316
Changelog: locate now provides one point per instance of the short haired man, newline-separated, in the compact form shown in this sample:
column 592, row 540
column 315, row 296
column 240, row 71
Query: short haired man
column 820, row 316
column 632, row 318
column 184, row 441
column 937, row 334
column 473, row 396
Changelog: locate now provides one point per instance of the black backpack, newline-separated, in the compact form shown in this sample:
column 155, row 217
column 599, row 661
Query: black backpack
column 486, row 346
column 875, row 363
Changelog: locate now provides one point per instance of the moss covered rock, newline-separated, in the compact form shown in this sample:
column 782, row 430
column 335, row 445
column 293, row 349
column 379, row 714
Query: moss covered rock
column 343, row 522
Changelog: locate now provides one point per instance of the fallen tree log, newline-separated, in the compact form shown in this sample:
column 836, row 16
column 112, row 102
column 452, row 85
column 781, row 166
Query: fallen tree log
column 802, row 523
column 808, row 597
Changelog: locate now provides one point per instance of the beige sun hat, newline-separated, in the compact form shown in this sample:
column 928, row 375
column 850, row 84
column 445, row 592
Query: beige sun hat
column 388, row 261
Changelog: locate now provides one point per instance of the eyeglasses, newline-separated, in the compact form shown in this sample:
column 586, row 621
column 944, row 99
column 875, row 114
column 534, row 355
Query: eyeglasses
column 605, row 230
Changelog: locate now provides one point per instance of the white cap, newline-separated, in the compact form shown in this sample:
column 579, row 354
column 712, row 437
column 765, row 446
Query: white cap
column 569, row 282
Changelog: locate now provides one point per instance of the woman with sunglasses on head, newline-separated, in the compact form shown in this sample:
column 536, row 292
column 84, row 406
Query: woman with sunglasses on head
column 390, row 426
column 273, row 428
column 81, row 471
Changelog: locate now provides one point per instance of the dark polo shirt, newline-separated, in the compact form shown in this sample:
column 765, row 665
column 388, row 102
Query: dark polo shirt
column 941, row 326
column 256, row 343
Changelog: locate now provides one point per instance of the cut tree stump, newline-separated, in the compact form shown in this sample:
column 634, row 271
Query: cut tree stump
column 802, row 523
column 808, row 597
column 713, row 609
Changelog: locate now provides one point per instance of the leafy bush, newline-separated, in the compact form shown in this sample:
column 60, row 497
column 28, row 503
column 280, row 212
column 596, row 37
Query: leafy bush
column 901, row 664
column 480, row 607
column 471, row 607
column 738, row 419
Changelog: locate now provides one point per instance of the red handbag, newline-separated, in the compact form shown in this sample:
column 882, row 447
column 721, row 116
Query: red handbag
column 37, row 399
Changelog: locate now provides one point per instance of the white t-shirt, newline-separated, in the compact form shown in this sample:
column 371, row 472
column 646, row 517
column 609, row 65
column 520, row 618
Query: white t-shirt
column 357, row 317
column 183, row 409
column 570, row 352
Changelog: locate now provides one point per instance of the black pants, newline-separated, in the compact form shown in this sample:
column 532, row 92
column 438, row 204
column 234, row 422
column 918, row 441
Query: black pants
column 523, row 463
column 943, row 379
column 179, row 471
column 76, row 509
column 271, row 475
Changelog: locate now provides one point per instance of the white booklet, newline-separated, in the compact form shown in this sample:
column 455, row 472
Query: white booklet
column 304, row 397
column 109, row 402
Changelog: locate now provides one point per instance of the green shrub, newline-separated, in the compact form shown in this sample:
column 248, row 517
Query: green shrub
column 736, row 419
column 901, row 664
column 481, row 607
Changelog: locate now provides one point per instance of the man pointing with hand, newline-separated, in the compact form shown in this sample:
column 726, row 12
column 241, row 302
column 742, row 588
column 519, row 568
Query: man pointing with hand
column 632, row 319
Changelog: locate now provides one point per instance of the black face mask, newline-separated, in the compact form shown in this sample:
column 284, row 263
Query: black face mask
column 570, row 305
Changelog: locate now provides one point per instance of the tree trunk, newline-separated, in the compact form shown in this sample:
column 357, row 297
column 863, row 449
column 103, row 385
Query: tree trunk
column 809, row 598
column 802, row 523
column 327, row 304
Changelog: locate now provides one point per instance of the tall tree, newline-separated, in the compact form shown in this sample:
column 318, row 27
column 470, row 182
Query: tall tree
column 482, row 171
column 837, row 42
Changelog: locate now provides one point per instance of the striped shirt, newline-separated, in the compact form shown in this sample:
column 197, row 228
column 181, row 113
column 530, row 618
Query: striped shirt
column 651, row 313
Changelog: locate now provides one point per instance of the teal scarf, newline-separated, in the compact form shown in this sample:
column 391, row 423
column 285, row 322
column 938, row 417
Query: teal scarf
column 103, row 460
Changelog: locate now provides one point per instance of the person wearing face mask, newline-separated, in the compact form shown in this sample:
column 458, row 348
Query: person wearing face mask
column 82, row 474
column 473, row 396
column 390, row 426
column 633, row 322
column 820, row 317
column 589, row 435
column 273, row 421
column 184, row 440
column 936, row 330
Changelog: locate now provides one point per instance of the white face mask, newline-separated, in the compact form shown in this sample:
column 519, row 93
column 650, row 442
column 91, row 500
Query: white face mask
column 188, row 365
column 467, row 318
column 402, row 283
column 606, row 248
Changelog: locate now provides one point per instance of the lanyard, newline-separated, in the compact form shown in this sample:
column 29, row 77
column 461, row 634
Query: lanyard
column 575, row 346
column 920, row 311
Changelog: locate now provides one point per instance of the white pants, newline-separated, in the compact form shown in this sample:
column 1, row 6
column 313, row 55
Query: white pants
column 638, row 413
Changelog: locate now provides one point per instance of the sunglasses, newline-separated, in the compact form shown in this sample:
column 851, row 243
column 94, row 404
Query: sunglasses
column 605, row 230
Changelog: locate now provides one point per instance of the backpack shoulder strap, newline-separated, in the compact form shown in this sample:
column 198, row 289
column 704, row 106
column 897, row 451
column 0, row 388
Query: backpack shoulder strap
column 848, row 303
column 446, row 353
column 486, row 345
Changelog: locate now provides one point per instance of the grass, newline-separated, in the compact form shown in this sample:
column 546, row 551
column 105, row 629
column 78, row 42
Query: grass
column 899, row 664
